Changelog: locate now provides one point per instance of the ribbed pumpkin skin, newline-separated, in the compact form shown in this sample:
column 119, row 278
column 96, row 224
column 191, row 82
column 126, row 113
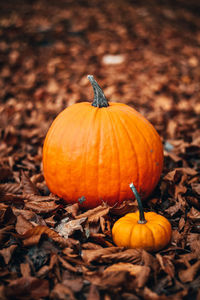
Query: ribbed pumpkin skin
column 96, row 152
column 152, row 236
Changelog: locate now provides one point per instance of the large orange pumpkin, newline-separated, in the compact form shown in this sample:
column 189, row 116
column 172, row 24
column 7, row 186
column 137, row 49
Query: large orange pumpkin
column 94, row 150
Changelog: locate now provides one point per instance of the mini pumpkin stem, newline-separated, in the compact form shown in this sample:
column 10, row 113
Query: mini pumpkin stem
column 99, row 97
column 140, row 207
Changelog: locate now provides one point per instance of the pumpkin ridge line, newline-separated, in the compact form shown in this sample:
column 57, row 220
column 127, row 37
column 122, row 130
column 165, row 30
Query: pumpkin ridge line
column 154, row 241
column 133, row 148
column 166, row 235
column 90, row 128
column 98, row 156
column 61, row 133
column 146, row 142
column 78, row 112
column 117, row 146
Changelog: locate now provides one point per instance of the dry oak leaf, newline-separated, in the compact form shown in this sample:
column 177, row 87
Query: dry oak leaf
column 193, row 239
column 93, row 293
column 96, row 255
column 42, row 207
column 67, row 265
column 93, row 215
column 141, row 273
column 7, row 253
column 67, row 228
column 27, row 214
column 188, row 275
column 150, row 295
column 149, row 260
column 105, row 226
column 109, row 280
column 28, row 187
column 126, row 255
column 194, row 214
column 72, row 209
column 27, row 288
column 166, row 265
column 196, row 188
column 5, row 231
column 126, row 207
column 22, row 224
column 25, row 269
column 32, row 236
column 61, row 292
column 11, row 188
column 45, row 269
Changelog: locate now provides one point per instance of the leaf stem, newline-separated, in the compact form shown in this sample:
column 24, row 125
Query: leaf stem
column 99, row 97
column 142, row 219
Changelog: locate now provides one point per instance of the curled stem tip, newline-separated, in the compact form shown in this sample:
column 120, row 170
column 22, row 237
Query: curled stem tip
column 140, row 207
column 99, row 97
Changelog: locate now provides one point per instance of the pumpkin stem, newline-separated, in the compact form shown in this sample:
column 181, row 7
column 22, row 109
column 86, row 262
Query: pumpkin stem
column 140, row 207
column 99, row 97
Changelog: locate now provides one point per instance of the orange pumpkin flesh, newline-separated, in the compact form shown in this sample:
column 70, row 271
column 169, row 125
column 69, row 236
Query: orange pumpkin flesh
column 94, row 150
column 148, row 231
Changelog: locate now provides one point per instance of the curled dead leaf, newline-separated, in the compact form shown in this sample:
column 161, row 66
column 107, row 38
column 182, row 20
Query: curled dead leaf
column 90, row 256
column 7, row 253
column 28, row 187
column 32, row 236
column 22, row 224
column 189, row 274
column 141, row 273
column 93, row 215
column 66, row 228
column 41, row 207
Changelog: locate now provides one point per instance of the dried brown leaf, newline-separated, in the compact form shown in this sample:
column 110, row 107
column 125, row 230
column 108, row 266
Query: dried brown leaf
column 172, row 210
column 32, row 236
column 45, row 269
column 72, row 210
column 22, row 225
column 196, row 188
column 141, row 273
column 91, row 246
column 150, row 261
column 93, row 215
column 5, row 173
column 126, row 255
column 96, row 255
column 193, row 239
column 189, row 274
column 181, row 223
column 7, row 253
column 41, row 207
column 194, row 214
column 109, row 280
column 25, row 269
column 93, row 293
column 61, row 292
column 27, row 288
column 67, row 265
column 11, row 188
column 27, row 214
column 166, row 265
column 66, row 228
column 126, row 207
column 105, row 226
column 4, row 232
column 28, row 187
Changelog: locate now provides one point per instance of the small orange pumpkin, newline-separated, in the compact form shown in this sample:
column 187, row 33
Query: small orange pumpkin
column 148, row 231
column 93, row 150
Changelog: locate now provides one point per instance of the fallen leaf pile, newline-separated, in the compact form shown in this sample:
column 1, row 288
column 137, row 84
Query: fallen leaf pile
column 143, row 53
